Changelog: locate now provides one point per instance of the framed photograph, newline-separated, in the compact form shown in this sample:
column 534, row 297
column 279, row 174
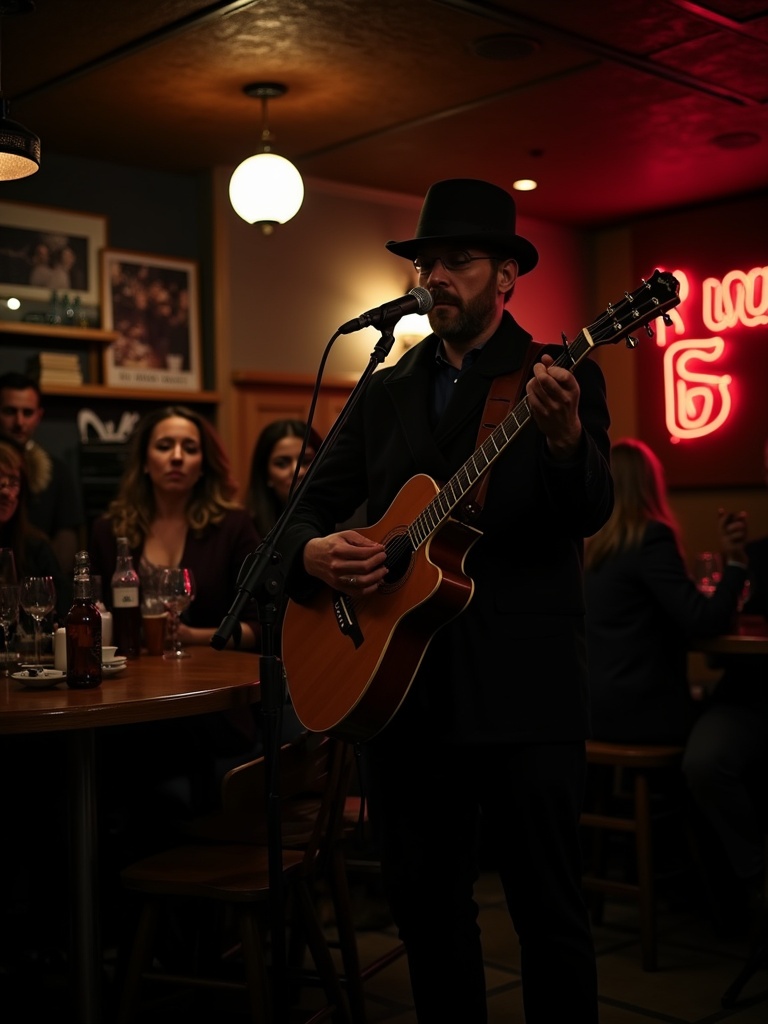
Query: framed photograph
column 44, row 250
column 153, row 304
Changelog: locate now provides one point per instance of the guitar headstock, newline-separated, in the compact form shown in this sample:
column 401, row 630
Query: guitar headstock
column 637, row 309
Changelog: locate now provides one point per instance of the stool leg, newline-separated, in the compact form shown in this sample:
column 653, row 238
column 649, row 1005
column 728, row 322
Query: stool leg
column 644, row 850
column 138, row 960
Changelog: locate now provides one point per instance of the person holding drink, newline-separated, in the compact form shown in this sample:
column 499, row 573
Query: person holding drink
column 643, row 605
column 176, row 506
column 28, row 549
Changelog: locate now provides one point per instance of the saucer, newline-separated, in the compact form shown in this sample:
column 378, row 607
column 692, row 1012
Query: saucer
column 48, row 677
column 111, row 667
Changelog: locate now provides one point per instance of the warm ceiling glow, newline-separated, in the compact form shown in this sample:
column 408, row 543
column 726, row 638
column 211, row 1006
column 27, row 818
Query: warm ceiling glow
column 525, row 184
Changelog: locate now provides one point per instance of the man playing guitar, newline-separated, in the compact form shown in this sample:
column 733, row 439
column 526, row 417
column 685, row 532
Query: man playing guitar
column 490, row 732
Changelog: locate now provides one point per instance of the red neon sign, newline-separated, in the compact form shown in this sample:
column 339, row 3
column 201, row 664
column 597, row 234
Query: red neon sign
column 697, row 402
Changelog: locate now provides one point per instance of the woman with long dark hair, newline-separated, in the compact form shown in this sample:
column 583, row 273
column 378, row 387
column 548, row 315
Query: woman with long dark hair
column 273, row 469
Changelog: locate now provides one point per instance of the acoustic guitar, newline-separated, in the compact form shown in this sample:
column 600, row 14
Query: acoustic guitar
column 350, row 661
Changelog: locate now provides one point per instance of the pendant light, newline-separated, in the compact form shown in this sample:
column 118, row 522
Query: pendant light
column 19, row 147
column 266, row 189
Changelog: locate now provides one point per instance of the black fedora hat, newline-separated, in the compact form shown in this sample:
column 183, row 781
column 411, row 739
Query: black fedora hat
column 468, row 211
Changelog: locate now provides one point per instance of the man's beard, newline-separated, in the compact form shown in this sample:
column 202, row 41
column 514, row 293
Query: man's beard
column 462, row 323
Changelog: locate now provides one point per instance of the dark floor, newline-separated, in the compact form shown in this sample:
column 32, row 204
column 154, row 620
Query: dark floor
column 695, row 968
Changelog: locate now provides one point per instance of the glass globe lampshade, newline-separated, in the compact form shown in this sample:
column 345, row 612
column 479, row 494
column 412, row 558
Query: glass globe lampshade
column 266, row 189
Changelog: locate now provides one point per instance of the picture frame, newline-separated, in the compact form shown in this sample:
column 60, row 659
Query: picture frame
column 152, row 302
column 45, row 249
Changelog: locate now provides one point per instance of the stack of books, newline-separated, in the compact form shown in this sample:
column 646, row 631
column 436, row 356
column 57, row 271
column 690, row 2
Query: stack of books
column 52, row 368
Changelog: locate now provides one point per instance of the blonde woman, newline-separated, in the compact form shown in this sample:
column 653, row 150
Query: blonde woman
column 642, row 605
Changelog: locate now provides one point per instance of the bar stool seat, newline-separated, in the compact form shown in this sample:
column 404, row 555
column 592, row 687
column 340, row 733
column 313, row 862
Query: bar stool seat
column 621, row 799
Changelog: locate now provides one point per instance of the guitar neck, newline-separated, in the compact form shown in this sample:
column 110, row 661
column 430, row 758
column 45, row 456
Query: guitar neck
column 452, row 493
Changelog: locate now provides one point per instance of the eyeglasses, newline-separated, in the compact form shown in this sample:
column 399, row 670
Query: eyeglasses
column 10, row 483
column 451, row 261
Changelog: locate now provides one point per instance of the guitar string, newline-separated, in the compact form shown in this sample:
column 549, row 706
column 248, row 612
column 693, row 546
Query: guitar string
column 606, row 326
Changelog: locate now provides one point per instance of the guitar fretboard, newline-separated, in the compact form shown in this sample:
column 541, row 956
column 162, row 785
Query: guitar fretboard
column 655, row 296
column 451, row 494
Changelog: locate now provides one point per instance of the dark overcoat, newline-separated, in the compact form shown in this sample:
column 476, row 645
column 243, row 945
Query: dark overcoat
column 512, row 665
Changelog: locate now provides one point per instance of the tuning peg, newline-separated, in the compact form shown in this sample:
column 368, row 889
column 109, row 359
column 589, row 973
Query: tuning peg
column 649, row 330
column 667, row 319
column 631, row 341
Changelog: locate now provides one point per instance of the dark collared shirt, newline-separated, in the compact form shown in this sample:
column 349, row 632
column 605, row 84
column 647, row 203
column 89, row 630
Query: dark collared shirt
column 445, row 376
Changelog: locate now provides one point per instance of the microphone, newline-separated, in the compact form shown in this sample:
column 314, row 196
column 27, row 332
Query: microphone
column 418, row 300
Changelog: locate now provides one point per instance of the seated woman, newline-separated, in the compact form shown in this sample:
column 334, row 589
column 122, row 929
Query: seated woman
column 643, row 606
column 32, row 550
column 273, row 468
column 35, row 763
column 176, row 506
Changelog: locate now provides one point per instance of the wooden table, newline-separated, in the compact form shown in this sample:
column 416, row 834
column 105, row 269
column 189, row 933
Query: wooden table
column 149, row 689
column 749, row 637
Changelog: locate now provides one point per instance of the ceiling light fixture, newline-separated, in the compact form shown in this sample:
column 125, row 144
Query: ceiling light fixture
column 524, row 185
column 19, row 147
column 266, row 189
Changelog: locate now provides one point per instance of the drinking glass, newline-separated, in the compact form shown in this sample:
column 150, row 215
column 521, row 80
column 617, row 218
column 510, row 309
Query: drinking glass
column 9, row 610
column 176, row 589
column 7, row 566
column 708, row 570
column 38, row 598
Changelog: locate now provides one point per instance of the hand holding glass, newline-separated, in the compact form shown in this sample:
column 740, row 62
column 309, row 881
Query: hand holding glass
column 176, row 589
column 38, row 598
column 708, row 571
column 9, row 610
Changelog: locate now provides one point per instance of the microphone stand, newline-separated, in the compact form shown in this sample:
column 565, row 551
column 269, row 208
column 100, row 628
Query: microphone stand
column 262, row 576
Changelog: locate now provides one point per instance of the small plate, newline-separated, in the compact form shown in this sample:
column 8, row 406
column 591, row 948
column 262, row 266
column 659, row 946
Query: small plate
column 48, row 677
column 111, row 668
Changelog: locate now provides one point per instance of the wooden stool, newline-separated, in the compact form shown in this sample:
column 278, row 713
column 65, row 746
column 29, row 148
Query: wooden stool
column 632, row 811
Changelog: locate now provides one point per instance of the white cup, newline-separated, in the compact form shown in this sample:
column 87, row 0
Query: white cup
column 60, row 650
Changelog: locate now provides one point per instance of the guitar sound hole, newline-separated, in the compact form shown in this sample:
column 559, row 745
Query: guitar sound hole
column 399, row 560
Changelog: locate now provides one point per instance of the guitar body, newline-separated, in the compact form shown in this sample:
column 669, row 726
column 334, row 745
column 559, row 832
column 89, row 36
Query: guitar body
column 350, row 661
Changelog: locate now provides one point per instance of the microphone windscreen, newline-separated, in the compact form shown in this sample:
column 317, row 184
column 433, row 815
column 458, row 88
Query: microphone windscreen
column 423, row 297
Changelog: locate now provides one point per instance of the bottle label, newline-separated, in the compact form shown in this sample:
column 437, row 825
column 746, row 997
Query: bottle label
column 125, row 597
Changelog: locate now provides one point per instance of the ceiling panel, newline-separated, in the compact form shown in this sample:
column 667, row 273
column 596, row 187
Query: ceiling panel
column 613, row 108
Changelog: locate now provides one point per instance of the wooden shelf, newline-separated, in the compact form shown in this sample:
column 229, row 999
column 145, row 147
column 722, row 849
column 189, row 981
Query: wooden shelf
column 57, row 332
column 134, row 394
column 93, row 338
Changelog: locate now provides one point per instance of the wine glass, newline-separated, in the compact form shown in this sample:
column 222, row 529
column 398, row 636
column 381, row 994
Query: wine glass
column 9, row 610
column 7, row 566
column 176, row 589
column 38, row 598
column 708, row 570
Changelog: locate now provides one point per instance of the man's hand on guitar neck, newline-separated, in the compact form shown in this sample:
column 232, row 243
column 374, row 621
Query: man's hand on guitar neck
column 553, row 398
column 347, row 561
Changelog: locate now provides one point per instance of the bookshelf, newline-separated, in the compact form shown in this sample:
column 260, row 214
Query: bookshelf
column 91, row 340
